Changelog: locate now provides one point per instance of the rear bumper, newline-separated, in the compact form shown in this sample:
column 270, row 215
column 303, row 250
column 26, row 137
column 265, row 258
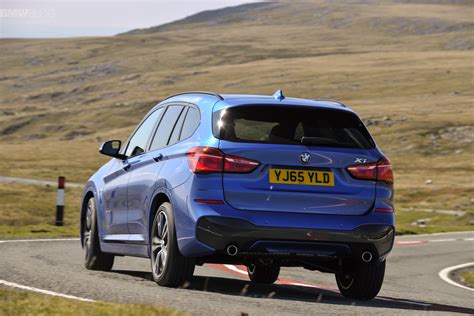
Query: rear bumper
column 220, row 232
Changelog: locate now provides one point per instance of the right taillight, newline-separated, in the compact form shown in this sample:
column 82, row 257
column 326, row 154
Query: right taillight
column 380, row 171
column 203, row 160
column 384, row 170
column 233, row 164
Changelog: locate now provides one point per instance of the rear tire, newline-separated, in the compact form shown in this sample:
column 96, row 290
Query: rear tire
column 364, row 283
column 169, row 267
column 266, row 274
column 94, row 258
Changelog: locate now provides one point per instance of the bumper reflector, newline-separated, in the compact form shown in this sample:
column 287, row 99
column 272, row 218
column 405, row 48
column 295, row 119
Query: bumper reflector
column 384, row 210
column 209, row 201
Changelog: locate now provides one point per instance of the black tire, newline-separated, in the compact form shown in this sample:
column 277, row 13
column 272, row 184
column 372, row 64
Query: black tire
column 169, row 267
column 260, row 273
column 94, row 258
column 364, row 283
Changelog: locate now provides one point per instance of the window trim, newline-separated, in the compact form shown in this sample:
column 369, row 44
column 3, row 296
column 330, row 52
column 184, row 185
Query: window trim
column 147, row 144
column 184, row 113
column 186, row 106
column 197, row 127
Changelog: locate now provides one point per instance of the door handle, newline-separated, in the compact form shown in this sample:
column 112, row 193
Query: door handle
column 158, row 158
column 126, row 167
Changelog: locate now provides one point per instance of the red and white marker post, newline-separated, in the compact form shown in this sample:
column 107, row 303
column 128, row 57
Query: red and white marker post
column 60, row 201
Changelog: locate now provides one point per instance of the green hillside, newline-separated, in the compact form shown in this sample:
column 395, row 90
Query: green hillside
column 406, row 66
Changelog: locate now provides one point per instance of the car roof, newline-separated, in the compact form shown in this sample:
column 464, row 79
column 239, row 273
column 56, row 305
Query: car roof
column 204, row 99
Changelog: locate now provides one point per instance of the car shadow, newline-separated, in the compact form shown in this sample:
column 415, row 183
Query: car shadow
column 237, row 287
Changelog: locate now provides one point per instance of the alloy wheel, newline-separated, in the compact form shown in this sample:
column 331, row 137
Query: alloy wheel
column 88, row 228
column 159, row 243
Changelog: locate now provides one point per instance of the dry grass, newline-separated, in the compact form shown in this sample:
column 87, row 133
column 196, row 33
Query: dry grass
column 407, row 68
column 29, row 211
column 27, row 303
column 468, row 278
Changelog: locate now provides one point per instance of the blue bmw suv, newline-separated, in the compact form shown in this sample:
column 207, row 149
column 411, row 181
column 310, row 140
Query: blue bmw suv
column 262, row 181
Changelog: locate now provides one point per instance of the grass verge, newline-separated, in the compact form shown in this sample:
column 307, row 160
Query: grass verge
column 29, row 211
column 431, row 222
column 14, row 302
column 468, row 278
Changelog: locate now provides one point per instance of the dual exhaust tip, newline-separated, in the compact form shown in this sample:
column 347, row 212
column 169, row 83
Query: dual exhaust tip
column 367, row 256
column 233, row 250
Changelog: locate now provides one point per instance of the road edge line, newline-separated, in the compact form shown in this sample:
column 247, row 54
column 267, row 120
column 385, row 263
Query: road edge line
column 444, row 275
column 436, row 234
column 45, row 292
column 38, row 239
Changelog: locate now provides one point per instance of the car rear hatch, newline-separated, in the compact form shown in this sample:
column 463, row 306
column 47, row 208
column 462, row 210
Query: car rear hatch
column 303, row 153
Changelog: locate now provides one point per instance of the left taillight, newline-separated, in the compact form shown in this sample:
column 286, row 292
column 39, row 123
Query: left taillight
column 203, row 160
column 380, row 171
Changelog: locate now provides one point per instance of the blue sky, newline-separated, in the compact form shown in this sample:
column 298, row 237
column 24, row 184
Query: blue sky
column 67, row 18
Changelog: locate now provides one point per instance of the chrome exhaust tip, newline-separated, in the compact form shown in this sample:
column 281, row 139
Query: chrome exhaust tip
column 232, row 250
column 367, row 256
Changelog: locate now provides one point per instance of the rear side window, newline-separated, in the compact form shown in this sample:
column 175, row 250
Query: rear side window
column 177, row 129
column 191, row 123
column 163, row 132
column 291, row 125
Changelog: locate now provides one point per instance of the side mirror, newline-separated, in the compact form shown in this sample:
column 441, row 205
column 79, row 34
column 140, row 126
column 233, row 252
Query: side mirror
column 112, row 148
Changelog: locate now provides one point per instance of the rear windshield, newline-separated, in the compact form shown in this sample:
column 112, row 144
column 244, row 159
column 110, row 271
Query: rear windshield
column 291, row 125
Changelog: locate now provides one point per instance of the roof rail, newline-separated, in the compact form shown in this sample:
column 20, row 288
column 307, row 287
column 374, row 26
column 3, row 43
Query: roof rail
column 333, row 101
column 195, row 92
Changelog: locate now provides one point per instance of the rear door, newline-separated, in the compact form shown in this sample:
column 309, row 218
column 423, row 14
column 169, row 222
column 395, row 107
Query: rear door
column 145, row 170
column 303, row 154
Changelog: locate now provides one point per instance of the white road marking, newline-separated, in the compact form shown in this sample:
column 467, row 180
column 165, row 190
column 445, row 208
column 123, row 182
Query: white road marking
column 46, row 292
column 304, row 284
column 414, row 242
column 235, row 269
column 403, row 301
column 35, row 240
column 444, row 275
column 398, row 242
column 441, row 240
column 33, row 289
column 324, row 287
column 438, row 234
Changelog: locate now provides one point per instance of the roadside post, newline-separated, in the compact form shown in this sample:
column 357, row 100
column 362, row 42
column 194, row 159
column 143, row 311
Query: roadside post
column 60, row 201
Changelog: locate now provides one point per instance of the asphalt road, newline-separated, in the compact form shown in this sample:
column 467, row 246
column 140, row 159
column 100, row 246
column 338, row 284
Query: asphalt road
column 412, row 284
